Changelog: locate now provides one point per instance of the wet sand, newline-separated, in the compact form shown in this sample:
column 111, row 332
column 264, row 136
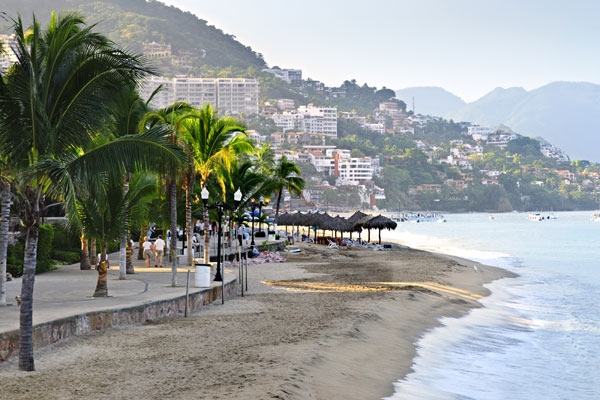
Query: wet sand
column 329, row 324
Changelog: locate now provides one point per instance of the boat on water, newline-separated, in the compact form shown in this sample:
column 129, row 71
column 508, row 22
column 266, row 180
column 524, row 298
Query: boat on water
column 423, row 217
column 596, row 216
column 491, row 217
column 540, row 217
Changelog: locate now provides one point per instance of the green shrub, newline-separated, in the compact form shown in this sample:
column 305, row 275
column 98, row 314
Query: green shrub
column 68, row 257
column 260, row 234
column 16, row 252
column 44, row 262
column 65, row 240
column 14, row 258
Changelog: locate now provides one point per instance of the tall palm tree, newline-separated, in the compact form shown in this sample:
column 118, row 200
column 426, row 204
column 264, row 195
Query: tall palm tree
column 125, row 118
column 5, row 216
column 286, row 175
column 212, row 144
column 53, row 100
column 170, row 117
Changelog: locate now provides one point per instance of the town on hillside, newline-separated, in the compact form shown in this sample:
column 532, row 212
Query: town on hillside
column 360, row 147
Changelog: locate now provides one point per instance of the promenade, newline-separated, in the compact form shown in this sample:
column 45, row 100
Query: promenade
column 63, row 304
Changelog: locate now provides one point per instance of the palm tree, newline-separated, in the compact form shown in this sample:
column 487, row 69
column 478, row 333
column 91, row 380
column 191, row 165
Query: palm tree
column 242, row 177
column 212, row 143
column 170, row 117
column 5, row 216
column 264, row 159
column 286, row 175
column 125, row 118
column 53, row 100
column 105, row 207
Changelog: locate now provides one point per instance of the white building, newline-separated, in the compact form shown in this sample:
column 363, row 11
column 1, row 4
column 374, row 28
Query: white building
column 289, row 121
column 354, row 170
column 285, row 104
column 227, row 95
column 291, row 76
column 479, row 132
column 379, row 128
column 8, row 57
column 319, row 119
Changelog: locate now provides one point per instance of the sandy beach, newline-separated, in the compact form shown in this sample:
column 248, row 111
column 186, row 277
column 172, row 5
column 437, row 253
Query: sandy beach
column 327, row 324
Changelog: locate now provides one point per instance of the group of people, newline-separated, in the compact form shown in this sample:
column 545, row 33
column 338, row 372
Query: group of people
column 157, row 249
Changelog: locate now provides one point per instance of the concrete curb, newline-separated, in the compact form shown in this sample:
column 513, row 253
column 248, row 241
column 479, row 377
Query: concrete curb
column 53, row 331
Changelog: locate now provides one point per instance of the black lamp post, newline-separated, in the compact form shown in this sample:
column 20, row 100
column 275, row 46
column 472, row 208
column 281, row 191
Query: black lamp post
column 252, row 208
column 220, row 207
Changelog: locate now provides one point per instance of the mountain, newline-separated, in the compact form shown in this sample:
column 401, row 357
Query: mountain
column 131, row 23
column 430, row 100
column 564, row 113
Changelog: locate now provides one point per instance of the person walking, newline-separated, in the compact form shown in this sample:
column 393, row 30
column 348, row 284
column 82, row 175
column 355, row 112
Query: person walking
column 147, row 251
column 159, row 251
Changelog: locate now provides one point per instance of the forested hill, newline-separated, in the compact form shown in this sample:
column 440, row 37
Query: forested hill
column 131, row 23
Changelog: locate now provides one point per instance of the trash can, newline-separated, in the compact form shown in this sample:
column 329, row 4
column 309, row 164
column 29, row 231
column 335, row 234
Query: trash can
column 202, row 275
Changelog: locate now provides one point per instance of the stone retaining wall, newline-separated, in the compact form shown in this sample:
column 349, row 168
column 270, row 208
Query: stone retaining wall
column 54, row 331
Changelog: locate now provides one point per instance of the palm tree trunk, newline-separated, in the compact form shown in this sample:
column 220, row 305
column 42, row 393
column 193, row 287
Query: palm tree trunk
column 173, row 216
column 140, row 255
column 94, row 255
column 26, row 313
column 129, row 257
column 124, row 234
column 84, row 264
column 278, row 201
column 188, row 219
column 102, row 284
column 4, row 238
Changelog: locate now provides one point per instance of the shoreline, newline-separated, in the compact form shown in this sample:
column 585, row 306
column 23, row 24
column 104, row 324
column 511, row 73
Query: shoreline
column 332, row 324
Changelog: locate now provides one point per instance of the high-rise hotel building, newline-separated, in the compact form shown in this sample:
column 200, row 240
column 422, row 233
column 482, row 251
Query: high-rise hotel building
column 227, row 95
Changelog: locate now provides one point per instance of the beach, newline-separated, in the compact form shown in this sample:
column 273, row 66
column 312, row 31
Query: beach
column 326, row 324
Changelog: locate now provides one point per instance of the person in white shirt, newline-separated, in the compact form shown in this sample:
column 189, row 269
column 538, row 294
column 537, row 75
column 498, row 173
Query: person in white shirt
column 147, row 251
column 159, row 249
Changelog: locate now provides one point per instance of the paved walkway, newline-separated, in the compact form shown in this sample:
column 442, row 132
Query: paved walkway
column 68, row 291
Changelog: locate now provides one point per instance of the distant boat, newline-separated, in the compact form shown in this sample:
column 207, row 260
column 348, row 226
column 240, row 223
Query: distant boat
column 424, row 217
column 540, row 217
column 491, row 217
column 536, row 217
column 596, row 216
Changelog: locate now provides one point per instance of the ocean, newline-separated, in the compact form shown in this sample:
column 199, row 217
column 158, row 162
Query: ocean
column 538, row 336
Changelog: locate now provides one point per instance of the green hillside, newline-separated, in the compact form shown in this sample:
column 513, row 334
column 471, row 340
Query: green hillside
column 131, row 23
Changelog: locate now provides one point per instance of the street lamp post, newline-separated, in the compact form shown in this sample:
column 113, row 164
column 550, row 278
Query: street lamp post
column 252, row 208
column 220, row 207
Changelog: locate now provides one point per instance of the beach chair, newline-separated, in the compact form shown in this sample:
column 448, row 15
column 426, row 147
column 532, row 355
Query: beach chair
column 377, row 247
column 332, row 245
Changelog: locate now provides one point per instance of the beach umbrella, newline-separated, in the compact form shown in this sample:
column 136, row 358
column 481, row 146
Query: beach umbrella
column 284, row 219
column 379, row 222
column 356, row 217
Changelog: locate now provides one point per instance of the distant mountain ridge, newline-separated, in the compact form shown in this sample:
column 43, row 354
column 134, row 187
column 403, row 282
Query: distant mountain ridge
column 566, row 114
column 430, row 100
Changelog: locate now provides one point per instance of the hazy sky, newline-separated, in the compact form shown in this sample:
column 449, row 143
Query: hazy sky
column 469, row 47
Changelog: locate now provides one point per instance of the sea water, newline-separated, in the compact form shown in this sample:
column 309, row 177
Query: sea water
column 538, row 336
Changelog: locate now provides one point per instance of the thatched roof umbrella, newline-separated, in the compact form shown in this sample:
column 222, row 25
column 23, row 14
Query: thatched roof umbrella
column 311, row 219
column 353, row 219
column 326, row 222
column 343, row 225
column 284, row 219
column 379, row 222
column 356, row 217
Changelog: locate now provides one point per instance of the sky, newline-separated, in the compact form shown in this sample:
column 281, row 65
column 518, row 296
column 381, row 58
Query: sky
column 468, row 47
